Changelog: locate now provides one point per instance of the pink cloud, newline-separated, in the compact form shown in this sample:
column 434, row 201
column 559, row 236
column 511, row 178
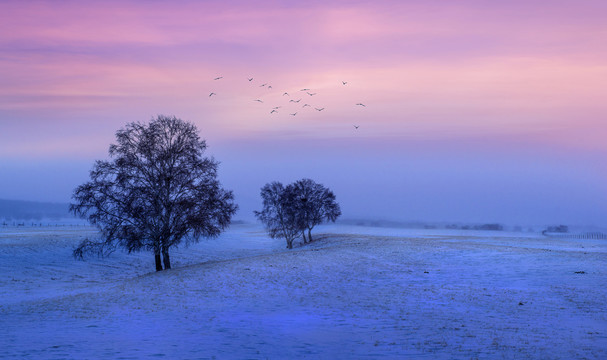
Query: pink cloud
column 424, row 70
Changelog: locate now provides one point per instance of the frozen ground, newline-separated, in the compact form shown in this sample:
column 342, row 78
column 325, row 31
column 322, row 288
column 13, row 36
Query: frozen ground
column 355, row 293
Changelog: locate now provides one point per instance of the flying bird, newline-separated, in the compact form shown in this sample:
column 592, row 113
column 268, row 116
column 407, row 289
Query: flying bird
column 286, row 94
column 293, row 114
column 211, row 94
column 304, row 90
column 356, row 126
column 258, row 100
column 277, row 107
column 295, row 101
column 321, row 109
column 262, row 85
column 344, row 82
column 273, row 111
column 304, row 105
column 311, row 94
column 250, row 79
column 361, row 104
column 217, row 78
column 269, row 87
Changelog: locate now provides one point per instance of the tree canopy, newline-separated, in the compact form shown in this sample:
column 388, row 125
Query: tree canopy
column 156, row 191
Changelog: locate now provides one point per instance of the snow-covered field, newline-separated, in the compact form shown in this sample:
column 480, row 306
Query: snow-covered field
column 354, row 293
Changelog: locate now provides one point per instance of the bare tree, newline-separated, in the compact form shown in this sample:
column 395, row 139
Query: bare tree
column 315, row 205
column 156, row 191
column 278, row 213
column 290, row 211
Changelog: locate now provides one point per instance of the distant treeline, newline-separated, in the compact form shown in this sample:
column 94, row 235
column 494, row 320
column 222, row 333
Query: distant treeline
column 422, row 225
column 31, row 210
column 495, row 227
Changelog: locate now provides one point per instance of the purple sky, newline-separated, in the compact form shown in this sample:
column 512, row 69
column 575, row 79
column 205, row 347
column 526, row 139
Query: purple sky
column 475, row 110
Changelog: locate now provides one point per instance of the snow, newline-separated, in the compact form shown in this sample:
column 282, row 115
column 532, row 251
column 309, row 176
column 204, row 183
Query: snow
column 356, row 292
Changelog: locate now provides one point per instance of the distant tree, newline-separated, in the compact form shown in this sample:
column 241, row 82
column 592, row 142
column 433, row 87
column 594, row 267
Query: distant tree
column 315, row 204
column 496, row 227
column 279, row 214
column 156, row 191
column 556, row 229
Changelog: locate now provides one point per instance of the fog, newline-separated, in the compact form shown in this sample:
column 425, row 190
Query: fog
column 432, row 181
column 421, row 182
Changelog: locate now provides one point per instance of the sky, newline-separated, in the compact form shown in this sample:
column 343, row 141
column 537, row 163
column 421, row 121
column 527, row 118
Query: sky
column 475, row 111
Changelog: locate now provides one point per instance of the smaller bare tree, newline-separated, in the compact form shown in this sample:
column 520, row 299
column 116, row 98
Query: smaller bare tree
column 278, row 213
column 315, row 204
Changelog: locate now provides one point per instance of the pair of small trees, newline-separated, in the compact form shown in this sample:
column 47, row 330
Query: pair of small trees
column 288, row 211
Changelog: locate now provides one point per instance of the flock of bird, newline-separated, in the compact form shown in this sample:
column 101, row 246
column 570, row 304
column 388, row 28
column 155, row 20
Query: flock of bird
column 303, row 92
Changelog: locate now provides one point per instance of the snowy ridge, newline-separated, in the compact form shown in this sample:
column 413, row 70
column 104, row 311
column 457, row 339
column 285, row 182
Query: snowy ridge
column 346, row 295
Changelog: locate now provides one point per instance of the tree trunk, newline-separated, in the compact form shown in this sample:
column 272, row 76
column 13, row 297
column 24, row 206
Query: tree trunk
column 303, row 234
column 310, row 235
column 289, row 244
column 158, row 262
column 167, row 260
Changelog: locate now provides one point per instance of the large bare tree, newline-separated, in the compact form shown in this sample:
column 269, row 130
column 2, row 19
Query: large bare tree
column 157, row 191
